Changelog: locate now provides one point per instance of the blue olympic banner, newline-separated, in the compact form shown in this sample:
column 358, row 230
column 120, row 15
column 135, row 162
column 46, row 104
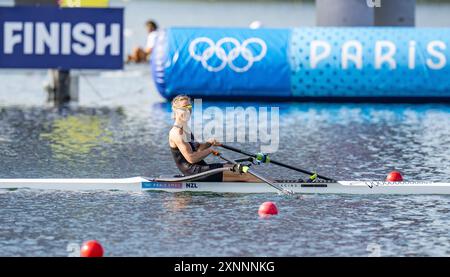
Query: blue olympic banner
column 374, row 62
column 209, row 62
column 63, row 38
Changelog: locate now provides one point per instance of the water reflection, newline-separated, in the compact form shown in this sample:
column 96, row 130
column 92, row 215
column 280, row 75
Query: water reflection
column 74, row 136
column 178, row 202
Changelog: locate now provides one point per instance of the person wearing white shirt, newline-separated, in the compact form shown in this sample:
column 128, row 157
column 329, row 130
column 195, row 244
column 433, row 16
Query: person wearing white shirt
column 140, row 55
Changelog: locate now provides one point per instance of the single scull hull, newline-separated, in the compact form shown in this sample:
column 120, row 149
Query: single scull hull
column 137, row 184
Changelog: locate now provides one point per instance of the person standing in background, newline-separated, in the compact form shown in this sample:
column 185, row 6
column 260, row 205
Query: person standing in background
column 140, row 55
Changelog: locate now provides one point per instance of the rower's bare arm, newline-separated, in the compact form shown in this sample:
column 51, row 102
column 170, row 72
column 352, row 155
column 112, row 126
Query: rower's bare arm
column 204, row 146
column 210, row 142
column 186, row 150
column 148, row 52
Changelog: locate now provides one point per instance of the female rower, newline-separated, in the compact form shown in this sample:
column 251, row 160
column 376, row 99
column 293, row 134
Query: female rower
column 189, row 155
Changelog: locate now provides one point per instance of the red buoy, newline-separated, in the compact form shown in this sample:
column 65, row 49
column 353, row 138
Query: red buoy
column 267, row 209
column 91, row 249
column 394, row 176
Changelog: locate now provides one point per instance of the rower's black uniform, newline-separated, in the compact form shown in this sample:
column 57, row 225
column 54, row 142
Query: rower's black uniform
column 188, row 168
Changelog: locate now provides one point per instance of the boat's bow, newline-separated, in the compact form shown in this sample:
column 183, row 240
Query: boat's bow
column 125, row 184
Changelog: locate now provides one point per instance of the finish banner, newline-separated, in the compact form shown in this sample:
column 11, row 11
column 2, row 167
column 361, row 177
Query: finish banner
column 52, row 37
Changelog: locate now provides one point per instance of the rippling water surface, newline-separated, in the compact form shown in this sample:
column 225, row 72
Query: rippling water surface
column 162, row 224
column 119, row 129
column 346, row 141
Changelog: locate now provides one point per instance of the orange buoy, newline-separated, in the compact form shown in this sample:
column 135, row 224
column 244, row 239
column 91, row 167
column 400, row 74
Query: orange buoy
column 91, row 249
column 394, row 176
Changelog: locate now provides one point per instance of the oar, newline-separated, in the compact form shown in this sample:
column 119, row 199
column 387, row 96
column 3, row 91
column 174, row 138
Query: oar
column 247, row 170
column 276, row 162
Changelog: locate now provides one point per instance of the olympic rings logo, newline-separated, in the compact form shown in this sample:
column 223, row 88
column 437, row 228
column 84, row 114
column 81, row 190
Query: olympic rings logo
column 218, row 50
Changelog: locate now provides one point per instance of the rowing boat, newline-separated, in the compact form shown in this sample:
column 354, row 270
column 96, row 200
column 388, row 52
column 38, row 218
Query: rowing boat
column 138, row 184
column 314, row 185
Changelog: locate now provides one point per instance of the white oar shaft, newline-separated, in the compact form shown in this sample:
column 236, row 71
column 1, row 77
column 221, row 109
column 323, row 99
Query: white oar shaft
column 265, row 180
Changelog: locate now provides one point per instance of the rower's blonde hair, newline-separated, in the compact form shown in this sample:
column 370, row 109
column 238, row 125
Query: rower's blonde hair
column 177, row 100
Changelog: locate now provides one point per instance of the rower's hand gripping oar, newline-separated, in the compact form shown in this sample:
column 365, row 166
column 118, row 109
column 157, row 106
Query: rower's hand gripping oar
column 246, row 169
column 265, row 159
